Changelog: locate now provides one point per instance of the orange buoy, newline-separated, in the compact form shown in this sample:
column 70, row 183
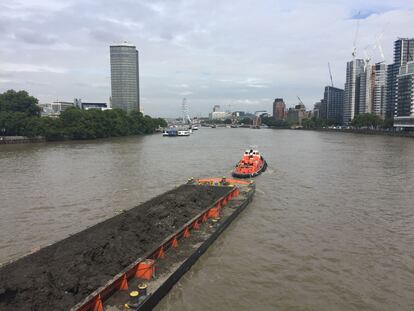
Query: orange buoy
column 145, row 269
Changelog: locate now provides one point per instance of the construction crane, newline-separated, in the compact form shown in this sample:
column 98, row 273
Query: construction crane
column 300, row 101
column 330, row 74
column 375, row 45
column 355, row 38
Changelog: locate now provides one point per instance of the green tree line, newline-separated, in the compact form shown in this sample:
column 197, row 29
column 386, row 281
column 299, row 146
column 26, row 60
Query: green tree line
column 20, row 115
column 270, row 121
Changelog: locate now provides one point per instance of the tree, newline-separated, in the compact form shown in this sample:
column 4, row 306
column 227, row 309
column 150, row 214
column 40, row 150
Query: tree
column 12, row 101
column 367, row 120
column 19, row 115
column 227, row 121
column 246, row 121
column 388, row 123
column 270, row 121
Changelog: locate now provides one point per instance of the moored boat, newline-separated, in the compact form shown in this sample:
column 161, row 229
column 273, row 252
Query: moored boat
column 251, row 165
column 184, row 133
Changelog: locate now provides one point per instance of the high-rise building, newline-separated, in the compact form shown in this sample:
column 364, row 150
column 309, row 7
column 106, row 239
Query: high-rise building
column 354, row 69
column 379, row 78
column 279, row 108
column 404, row 108
column 125, row 77
column 365, row 85
column 403, row 53
column 334, row 99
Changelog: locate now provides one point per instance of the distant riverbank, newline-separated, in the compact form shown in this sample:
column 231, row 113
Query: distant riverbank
column 365, row 131
column 4, row 140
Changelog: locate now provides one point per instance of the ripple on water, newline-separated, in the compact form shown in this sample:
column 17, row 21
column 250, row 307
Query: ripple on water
column 330, row 227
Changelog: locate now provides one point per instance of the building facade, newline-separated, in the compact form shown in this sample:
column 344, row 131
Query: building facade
column 404, row 108
column 364, row 87
column 403, row 53
column 279, row 108
column 354, row 69
column 379, row 90
column 125, row 77
column 297, row 114
column 334, row 99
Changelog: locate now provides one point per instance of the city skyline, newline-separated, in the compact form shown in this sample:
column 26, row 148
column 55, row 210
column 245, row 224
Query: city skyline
column 208, row 56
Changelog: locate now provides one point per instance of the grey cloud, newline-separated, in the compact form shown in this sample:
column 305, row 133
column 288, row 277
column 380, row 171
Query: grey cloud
column 34, row 37
column 251, row 51
column 104, row 36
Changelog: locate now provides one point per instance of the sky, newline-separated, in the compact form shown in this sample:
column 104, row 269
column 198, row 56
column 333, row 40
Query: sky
column 240, row 55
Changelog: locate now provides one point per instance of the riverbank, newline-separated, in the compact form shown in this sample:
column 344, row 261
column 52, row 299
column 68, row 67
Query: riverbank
column 4, row 140
column 10, row 140
column 364, row 131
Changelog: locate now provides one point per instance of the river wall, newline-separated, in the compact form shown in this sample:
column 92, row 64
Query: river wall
column 20, row 139
column 366, row 132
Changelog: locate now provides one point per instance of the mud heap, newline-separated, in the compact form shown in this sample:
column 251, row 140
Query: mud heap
column 61, row 275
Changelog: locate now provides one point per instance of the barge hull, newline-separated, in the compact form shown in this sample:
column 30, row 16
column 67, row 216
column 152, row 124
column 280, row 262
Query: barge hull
column 156, row 296
column 61, row 275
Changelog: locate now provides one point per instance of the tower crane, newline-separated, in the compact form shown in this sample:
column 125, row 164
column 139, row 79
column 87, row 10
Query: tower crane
column 355, row 39
column 330, row 74
column 300, row 101
column 375, row 45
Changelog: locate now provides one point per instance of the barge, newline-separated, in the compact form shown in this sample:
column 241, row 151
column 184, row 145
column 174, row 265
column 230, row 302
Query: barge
column 129, row 261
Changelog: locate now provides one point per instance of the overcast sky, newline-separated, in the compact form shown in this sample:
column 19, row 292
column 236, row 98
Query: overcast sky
column 238, row 54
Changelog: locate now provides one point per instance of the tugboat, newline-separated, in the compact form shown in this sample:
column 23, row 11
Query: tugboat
column 251, row 165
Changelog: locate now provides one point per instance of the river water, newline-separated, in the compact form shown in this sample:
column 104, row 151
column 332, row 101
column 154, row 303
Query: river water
column 331, row 226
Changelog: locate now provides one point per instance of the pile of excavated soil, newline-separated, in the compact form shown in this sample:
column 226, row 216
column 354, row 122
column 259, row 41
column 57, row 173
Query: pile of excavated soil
column 61, row 275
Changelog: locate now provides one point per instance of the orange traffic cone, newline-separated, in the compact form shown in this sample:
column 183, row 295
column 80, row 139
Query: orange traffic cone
column 160, row 253
column 174, row 242
column 98, row 306
column 124, row 283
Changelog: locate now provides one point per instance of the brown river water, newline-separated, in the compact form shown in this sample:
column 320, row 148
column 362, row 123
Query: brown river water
column 331, row 226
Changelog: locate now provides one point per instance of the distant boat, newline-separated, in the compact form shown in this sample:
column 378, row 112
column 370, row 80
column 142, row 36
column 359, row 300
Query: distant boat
column 171, row 132
column 184, row 133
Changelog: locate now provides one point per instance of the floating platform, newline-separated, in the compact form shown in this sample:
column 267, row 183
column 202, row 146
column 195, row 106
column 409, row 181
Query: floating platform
column 98, row 268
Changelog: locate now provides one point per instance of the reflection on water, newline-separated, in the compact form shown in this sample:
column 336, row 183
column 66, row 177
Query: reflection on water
column 330, row 228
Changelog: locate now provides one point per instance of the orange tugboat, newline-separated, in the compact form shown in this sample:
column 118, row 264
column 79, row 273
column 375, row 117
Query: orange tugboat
column 251, row 165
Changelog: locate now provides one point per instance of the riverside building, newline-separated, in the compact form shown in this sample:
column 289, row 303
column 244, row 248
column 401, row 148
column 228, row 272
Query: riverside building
column 279, row 108
column 333, row 98
column 354, row 69
column 404, row 108
column 125, row 77
column 403, row 53
column 379, row 90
